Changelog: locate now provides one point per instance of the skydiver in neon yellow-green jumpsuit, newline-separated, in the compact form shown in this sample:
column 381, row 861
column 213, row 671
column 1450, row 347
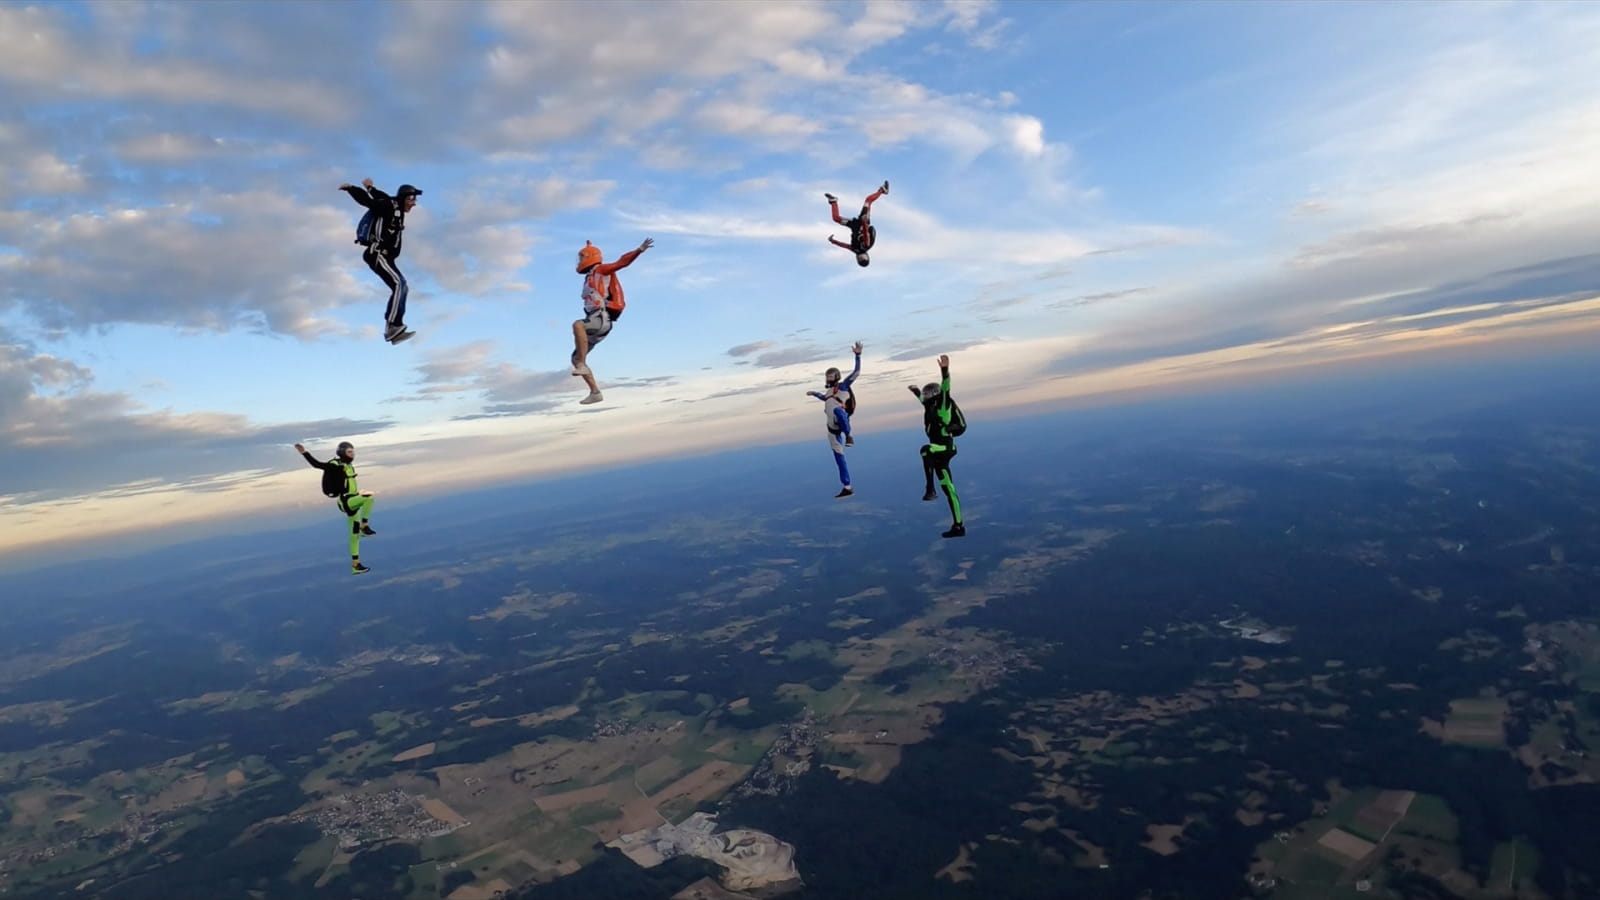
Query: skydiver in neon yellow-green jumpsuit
column 355, row 503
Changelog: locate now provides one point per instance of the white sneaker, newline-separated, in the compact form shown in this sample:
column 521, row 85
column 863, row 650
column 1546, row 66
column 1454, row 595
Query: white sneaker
column 402, row 337
column 581, row 369
column 594, row 397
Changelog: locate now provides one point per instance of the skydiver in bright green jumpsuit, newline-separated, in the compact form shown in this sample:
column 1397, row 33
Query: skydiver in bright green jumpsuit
column 355, row 503
column 942, row 420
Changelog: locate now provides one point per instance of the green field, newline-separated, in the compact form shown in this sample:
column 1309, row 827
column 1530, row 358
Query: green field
column 562, row 844
column 593, row 813
column 678, row 809
column 1477, row 722
column 388, row 722
column 425, row 879
column 662, row 771
column 1314, row 868
column 353, row 759
column 803, row 649
column 311, row 861
column 746, row 751
column 1115, row 751
column 1514, row 863
column 1430, row 817
column 446, row 847
column 1343, row 814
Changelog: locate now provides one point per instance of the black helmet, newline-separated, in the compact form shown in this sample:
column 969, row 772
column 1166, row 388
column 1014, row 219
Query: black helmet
column 930, row 391
column 344, row 446
column 832, row 376
column 407, row 190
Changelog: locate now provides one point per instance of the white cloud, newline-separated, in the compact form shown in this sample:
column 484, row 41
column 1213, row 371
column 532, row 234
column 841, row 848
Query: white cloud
column 60, row 437
column 47, row 174
column 1027, row 135
column 620, row 46
column 966, row 17
column 1456, row 152
column 474, row 260
column 881, row 21
column 217, row 261
column 167, row 147
column 42, row 57
column 749, row 119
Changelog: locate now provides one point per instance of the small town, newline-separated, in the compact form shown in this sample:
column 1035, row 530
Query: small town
column 136, row 828
column 605, row 728
column 982, row 668
column 356, row 819
column 796, row 742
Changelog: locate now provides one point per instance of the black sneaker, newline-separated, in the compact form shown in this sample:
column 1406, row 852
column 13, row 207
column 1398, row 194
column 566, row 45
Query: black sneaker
column 367, row 530
column 849, row 440
column 885, row 187
column 845, row 492
column 358, row 569
column 831, row 198
column 929, row 496
column 955, row 531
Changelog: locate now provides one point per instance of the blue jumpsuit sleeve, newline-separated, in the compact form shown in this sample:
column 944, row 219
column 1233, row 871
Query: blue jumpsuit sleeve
column 845, row 384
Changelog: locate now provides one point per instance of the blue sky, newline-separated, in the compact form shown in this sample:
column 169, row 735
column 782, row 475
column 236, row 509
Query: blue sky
column 1086, row 198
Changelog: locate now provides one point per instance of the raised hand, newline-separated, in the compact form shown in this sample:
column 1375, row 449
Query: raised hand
column 300, row 448
column 648, row 243
column 944, row 360
column 857, row 348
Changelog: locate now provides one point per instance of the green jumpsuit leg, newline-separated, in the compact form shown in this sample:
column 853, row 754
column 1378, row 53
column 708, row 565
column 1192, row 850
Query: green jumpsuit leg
column 949, row 486
column 939, row 456
column 359, row 509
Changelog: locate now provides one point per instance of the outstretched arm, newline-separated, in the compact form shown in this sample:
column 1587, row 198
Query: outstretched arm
column 845, row 384
column 309, row 458
column 944, row 388
column 837, row 244
column 358, row 194
column 625, row 259
column 369, row 196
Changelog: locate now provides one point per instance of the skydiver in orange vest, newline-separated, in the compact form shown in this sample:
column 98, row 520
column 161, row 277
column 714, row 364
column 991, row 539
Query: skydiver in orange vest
column 602, row 304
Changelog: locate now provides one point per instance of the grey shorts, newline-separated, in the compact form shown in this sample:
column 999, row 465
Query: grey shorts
column 596, row 326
